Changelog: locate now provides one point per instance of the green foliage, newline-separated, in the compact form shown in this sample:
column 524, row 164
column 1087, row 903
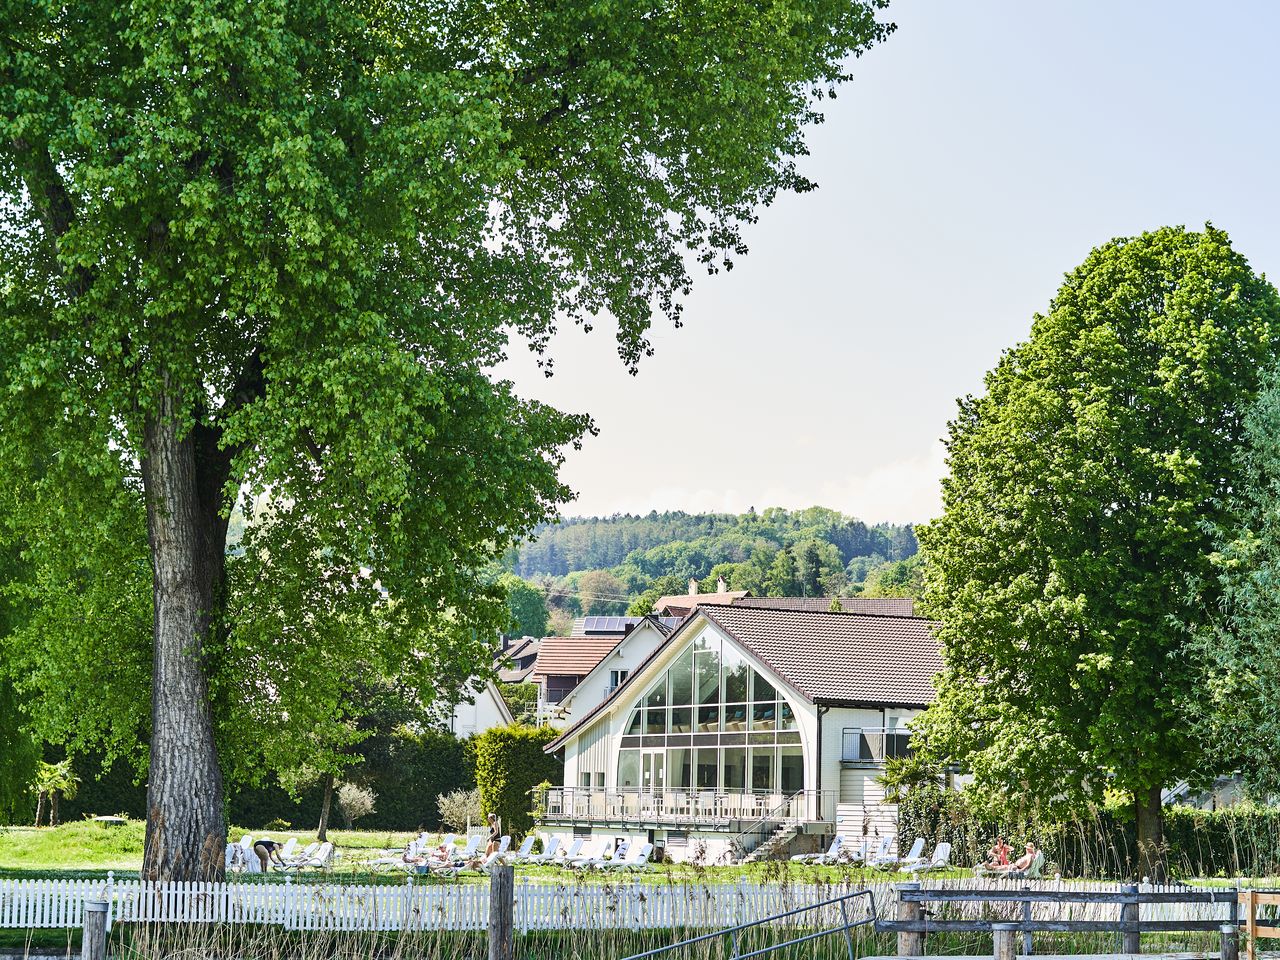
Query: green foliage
column 522, row 698
column 781, row 580
column 527, row 604
column 601, row 593
column 899, row 578
column 666, row 586
column 1075, row 517
column 1236, row 709
column 19, row 757
column 510, row 762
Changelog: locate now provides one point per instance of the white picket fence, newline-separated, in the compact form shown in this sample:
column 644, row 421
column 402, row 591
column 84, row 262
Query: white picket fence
column 539, row 905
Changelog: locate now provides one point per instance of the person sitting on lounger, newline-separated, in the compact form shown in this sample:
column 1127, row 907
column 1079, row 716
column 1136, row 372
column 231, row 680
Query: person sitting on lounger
column 268, row 850
column 998, row 856
column 1021, row 864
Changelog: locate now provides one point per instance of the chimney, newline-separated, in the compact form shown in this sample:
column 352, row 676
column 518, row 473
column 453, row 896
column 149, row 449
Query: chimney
column 693, row 586
column 721, row 586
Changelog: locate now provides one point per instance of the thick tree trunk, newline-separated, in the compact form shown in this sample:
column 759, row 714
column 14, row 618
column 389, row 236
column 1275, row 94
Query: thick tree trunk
column 39, row 807
column 325, row 806
column 1150, row 817
column 53, row 808
column 186, row 832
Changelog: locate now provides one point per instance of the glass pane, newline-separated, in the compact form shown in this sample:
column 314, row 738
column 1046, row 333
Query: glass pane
column 763, row 716
column 735, row 716
column 791, row 769
column 762, row 689
column 735, row 768
column 708, row 719
column 680, row 767
column 707, row 763
column 706, row 667
column 657, row 694
column 655, row 721
column 682, row 679
column 634, row 726
column 786, row 717
column 736, row 676
column 681, row 719
column 762, row 768
column 628, row 768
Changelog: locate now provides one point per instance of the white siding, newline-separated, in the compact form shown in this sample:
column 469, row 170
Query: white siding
column 629, row 654
column 487, row 712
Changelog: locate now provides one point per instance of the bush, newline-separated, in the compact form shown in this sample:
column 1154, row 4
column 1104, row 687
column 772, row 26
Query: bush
column 460, row 809
column 510, row 763
column 1242, row 840
column 354, row 802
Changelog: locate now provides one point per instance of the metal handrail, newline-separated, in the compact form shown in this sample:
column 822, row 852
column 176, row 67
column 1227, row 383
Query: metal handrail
column 735, row 930
column 735, row 843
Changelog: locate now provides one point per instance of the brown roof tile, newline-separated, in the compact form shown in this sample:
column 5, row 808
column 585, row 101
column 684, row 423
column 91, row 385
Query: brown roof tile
column 891, row 606
column 571, row 656
column 687, row 601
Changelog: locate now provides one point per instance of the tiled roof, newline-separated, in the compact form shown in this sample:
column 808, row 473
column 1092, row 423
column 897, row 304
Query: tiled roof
column 840, row 657
column 514, row 674
column 571, row 656
column 829, row 657
column 685, row 602
column 891, row 606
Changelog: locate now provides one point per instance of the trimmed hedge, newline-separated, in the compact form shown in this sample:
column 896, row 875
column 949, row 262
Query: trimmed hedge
column 1242, row 840
column 510, row 762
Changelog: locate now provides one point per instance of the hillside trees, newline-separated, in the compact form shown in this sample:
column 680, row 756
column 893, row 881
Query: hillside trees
column 1074, row 525
column 267, row 254
column 527, row 605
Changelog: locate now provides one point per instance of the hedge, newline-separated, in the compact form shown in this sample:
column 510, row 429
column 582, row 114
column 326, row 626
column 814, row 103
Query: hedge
column 510, row 762
column 1241, row 840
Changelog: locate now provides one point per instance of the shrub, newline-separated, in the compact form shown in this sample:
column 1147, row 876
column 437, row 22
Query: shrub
column 460, row 809
column 510, row 763
column 354, row 802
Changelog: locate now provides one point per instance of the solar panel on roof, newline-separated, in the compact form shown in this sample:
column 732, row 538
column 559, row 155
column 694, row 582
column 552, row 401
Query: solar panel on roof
column 608, row 624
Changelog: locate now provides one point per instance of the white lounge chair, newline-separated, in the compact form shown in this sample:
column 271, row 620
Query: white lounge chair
column 887, row 862
column 882, row 851
column 321, row 859
column 940, row 860
column 289, row 849
column 854, row 855
column 549, row 851
column 639, row 860
column 470, row 850
column 504, row 844
column 523, row 851
column 828, row 857
column 603, row 857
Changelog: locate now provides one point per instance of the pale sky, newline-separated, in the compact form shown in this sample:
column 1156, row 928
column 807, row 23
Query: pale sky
column 977, row 156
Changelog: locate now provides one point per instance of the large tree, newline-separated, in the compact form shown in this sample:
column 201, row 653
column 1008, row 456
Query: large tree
column 1074, row 524
column 269, row 252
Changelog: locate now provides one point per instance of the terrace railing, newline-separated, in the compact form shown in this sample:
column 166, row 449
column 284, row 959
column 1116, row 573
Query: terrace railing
column 697, row 808
column 873, row 745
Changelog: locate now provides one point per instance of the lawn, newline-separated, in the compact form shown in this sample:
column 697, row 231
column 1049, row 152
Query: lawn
column 89, row 849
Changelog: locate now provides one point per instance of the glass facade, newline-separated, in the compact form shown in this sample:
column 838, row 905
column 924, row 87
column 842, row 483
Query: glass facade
column 712, row 722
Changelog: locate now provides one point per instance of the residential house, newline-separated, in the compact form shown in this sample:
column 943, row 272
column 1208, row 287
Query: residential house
column 746, row 725
column 484, row 709
column 515, row 662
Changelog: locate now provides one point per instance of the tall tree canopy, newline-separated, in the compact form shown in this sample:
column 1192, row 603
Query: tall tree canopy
column 1074, row 523
column 269, row 252
column 1236, row 711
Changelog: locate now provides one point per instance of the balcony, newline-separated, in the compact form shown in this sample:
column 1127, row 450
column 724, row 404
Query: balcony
column 695, row 809
column 872, row 746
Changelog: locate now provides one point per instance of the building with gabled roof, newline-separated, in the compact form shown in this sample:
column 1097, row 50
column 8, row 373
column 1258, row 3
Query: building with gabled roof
column 749, row 723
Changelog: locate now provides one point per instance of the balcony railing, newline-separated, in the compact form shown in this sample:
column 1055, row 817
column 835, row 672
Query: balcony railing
column 698, row 808
column 872, row 745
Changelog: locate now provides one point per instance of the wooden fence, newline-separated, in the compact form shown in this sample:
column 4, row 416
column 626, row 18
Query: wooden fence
column 539, row 905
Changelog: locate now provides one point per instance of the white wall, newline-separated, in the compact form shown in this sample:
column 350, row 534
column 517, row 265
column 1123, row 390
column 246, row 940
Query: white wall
column 630, row 652
column 487, row 712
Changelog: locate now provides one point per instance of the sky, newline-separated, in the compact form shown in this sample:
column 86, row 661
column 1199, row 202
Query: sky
column 977, row 156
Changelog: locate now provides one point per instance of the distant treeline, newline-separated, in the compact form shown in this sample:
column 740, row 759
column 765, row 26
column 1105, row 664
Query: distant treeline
column 690, row 544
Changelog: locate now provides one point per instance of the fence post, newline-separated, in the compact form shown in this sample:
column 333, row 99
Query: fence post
column 1230, row 942
column 502, row 892
column 1004, row 941
column 1026, row 919
column 93, row 944
column 910, row 944
column 1131, row 940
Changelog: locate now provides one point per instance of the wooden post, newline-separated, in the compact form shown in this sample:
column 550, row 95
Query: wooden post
column 1251, row 922
column 1131, row 940
column 909, row 944
column 1004, row 941
column 502, row 898
column 93, row 944
column 1230, row 942
column 1026, row 919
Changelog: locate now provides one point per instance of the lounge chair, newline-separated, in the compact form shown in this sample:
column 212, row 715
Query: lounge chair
column 639, row 860
column 888, row 862
column 1032, row 872
column 604, row 856
column 571, row 853
column 827, row 857
column 289, row 849
column 940, row 860
column 467, row 852
column 853, row 855
column 882, row 851
column 503, row 846
column 523, row 851
column 321, row 859
column 549, row 850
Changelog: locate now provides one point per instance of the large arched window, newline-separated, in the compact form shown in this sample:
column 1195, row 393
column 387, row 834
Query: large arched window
column 712, row 722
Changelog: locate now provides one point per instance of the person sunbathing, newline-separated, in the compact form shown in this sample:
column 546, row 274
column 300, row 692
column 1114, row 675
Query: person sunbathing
column 998, row 856
column 1022, row 863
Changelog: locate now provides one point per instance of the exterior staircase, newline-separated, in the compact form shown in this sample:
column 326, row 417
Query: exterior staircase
column 776, row 845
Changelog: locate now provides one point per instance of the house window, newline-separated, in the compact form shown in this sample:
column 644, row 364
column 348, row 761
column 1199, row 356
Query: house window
column 600, row 780
column 744, row 733
column 584, row 779
column 616, row 677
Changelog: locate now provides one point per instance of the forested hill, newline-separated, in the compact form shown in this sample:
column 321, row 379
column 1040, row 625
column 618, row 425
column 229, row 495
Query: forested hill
column 691, row 544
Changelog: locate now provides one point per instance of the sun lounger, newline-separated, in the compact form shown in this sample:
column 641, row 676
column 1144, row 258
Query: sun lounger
column 940, row 860
column 571, row 853
column 602, row 857
column 469, row 851
column 548, row 853
column 827, row 857
column 522, row 853
column 321, row 859
column 886, row 862
column 638, row 861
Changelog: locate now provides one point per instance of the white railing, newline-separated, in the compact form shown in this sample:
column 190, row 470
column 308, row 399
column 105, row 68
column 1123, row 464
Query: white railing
column 709, row 808
column 27, row 904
